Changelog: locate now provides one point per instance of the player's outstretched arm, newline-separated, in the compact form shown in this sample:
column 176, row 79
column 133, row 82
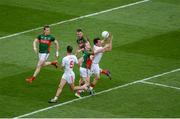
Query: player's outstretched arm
column 78, row 51
column 106, row 40
column 57, row 48
column 35, row 45
column 108, row 47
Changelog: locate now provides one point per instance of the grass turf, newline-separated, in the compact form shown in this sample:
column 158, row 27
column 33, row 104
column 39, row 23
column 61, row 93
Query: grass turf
column 145, row 43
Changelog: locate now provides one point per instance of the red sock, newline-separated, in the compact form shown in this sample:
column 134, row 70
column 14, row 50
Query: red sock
column 33, row 78
column 103, row 71
column 53, row 63
column 92, row 85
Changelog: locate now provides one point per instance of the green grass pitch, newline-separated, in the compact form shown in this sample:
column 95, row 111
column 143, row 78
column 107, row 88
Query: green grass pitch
column 146, row 43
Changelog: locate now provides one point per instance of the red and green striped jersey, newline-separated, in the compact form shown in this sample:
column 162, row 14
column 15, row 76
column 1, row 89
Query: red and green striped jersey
column 81, row 42
column 45, row 43
column 86, row 59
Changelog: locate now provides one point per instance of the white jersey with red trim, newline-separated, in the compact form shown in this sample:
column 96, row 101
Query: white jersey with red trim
column 68, row 63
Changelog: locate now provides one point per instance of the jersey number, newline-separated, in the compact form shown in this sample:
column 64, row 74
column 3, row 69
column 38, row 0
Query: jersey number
column 71, row 64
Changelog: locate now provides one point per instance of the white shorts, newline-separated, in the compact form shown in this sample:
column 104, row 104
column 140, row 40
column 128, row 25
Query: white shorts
column 42, row 57
column 85, row 72
column 69, row 77
column 95, row 69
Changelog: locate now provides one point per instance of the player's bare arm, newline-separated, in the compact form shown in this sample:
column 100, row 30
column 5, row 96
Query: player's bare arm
column 57, row 48
column 35, row 45
column 78, row 51
column 106, row 40
column 108, row 47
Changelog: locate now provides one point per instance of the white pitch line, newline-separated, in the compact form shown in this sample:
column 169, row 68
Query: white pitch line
column 161, row 85
column 77, row 18
column 98, row 93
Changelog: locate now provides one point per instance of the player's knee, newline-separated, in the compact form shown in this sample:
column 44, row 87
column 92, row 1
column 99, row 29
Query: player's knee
column 41, row 63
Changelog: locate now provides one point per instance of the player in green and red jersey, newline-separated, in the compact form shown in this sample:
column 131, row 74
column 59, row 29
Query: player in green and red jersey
column 85, row 67
column 81, row 40
column 44, row 40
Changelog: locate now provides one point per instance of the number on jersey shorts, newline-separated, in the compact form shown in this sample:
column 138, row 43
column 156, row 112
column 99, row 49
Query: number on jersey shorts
column 95, row 69
column 43, row 57
column 69, row 77
column 85, row 72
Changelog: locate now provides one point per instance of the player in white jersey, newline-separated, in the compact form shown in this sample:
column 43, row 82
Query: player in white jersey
column 68, row 76
column 98, row 47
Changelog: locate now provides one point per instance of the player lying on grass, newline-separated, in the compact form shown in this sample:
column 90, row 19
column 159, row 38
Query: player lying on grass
column 44, row 41
column 68, row 76
column 81, row 41
column 99, row 46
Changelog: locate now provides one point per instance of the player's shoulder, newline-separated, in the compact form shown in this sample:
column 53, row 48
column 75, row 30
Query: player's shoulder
column 73, row 56
column 40, row 36
column 95, row 46
column 65, row 58
column 52, row 37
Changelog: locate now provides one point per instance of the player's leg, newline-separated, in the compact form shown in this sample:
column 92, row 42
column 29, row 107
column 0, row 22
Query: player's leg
column 42, row 62
column 75, row 88
column 54, row 63
column 85, row 81
column 78, row 93
column 96, row 78
column 42, row 59
column 37, row 70
column 59, row 90
column 85, row 75
column 96, row 71
column 106, row 72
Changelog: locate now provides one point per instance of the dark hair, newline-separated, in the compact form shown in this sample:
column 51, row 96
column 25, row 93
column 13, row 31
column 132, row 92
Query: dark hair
column 69, row 49
column 79, row 30
column 46, row 26
column 96, row 40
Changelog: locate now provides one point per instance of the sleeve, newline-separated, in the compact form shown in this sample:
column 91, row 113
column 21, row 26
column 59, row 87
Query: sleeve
column 38, row 37
column 77, row 41
column 63, row 62
column 99, row 50
column 52, row 38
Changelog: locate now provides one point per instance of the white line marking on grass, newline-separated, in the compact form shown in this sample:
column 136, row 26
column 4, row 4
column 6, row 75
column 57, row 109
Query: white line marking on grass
column 161, row 85
column 77, row 18
column 101, row 92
